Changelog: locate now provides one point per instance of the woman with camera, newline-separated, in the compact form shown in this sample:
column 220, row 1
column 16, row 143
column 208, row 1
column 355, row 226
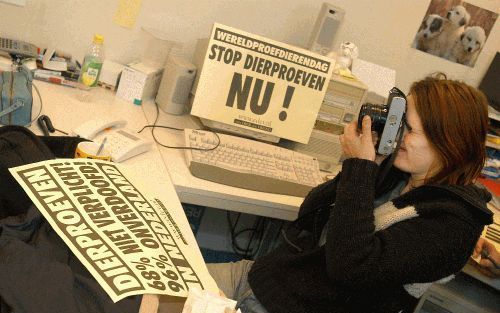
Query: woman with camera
column 365, row 243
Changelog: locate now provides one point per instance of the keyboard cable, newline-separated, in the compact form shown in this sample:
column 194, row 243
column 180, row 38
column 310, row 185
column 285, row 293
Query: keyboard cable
column 154, row 125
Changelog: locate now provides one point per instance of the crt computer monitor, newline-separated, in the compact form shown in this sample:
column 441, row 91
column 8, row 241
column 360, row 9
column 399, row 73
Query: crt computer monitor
column 198, row 60
column 324, row 141
column 491, row 82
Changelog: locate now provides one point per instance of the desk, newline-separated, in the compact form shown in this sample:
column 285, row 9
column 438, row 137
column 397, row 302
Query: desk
column 197, row 191
column 67, row 109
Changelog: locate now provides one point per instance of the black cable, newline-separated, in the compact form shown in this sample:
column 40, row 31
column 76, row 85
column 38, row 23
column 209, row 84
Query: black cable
column 261, row 236
column 41, row 103
column 255, row 228
column 174, row 128
column 232, row 228
column 245, row 252
column 258, row 229
column 278, row 233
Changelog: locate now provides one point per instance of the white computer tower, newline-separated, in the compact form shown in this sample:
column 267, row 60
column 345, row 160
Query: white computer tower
column 341, row 105
column 175, row 85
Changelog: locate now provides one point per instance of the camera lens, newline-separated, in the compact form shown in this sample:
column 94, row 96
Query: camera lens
column 378, row 114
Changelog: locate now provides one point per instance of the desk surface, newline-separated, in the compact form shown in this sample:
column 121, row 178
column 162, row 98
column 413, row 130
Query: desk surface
column 68, row 108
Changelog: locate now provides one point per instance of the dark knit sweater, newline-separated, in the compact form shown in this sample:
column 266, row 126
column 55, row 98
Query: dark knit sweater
column 361, row 269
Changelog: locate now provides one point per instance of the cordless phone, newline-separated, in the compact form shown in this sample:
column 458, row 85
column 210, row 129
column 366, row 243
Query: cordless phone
column 122, row 144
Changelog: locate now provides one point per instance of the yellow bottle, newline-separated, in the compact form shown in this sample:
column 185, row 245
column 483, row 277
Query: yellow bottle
column 92, row 63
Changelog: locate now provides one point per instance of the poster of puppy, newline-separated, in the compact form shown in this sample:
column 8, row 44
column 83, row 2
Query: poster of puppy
column 454, row 30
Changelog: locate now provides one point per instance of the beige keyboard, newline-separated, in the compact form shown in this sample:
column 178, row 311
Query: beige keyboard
column 250, row 164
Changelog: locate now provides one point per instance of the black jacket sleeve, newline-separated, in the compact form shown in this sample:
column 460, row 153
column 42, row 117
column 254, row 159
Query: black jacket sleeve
column 319, row 198
column 431, row 245
column 62, row 147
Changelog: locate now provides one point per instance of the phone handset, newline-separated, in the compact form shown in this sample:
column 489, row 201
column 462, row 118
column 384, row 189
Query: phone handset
column 90, row 129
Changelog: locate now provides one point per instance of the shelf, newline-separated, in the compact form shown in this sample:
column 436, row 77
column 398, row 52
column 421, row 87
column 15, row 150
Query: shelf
column 492, row 145
column 493, row 114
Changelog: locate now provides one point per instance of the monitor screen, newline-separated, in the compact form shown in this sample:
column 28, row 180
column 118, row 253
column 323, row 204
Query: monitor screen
column 491, row 81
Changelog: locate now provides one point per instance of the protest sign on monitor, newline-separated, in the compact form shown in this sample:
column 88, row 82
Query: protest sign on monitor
column 261, row 84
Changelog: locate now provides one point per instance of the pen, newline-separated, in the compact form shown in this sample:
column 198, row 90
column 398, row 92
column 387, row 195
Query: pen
column 60, row 81
column 57, row 80
column 101, row 146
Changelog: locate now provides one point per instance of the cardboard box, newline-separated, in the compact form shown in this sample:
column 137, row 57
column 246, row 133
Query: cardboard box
column 139, row 83
column 110, row 74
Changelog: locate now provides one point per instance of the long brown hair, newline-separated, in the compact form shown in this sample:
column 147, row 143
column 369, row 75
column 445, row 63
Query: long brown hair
column 455, row 120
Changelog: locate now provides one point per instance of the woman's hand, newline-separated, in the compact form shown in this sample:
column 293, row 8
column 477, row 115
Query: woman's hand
column 356, row 145
column 488, row 252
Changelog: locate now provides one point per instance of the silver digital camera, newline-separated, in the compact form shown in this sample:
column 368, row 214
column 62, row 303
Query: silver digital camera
column 387, row 120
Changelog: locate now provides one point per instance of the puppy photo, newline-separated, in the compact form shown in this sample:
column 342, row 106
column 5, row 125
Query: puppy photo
column 458, row 15
column 466, row 50
column 454, row 25
column 454, row 30
column 426, row 39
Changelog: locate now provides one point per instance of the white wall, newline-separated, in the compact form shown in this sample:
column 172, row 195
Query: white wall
column 382, row 29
